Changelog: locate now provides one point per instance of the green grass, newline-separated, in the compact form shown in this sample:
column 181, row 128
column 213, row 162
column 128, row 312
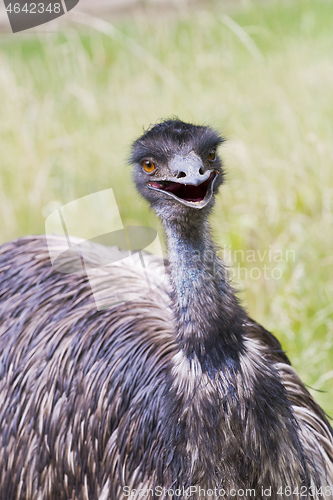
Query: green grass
column 72, row 102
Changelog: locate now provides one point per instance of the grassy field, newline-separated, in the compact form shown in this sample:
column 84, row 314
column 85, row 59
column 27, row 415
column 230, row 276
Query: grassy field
column 72, row 102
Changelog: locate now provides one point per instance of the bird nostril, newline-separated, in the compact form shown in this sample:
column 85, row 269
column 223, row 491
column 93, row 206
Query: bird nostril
column 181, row 174
column 201, row 171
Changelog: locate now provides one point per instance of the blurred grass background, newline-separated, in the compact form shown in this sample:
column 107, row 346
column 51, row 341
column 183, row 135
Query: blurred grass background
column 262, row 73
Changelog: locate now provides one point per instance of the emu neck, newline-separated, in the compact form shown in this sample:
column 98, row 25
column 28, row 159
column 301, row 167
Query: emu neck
column 207, row 315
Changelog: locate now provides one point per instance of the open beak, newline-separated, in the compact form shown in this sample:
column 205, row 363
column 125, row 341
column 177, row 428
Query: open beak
column 188, row 186
column 188, row 194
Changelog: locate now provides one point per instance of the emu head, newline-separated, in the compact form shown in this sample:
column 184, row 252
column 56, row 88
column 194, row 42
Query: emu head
column 177, row 168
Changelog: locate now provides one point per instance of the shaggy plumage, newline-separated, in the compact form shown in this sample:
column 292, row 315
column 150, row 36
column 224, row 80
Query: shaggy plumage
column 179, row 389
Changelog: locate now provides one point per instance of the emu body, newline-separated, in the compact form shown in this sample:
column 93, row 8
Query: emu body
column 175, row 390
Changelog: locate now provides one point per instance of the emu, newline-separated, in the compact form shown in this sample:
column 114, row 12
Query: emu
column 178, row 394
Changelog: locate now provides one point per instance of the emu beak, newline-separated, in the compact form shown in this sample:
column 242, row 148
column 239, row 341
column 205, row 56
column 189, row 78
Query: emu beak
column 190, row 184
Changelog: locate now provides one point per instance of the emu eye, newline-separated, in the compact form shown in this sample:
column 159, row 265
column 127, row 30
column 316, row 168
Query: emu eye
column 212, row 155
column 148, row 166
